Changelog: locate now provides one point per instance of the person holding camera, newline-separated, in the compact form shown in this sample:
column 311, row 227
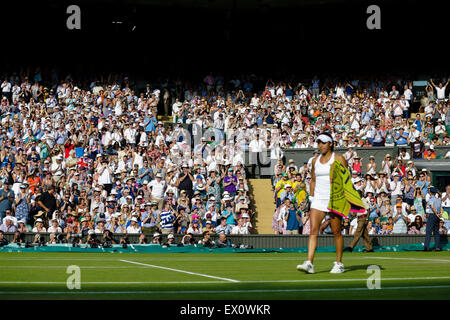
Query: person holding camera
column 108, row 240
column 206, row 241
column 3, row 240
column 188, row 239
column 114, row 226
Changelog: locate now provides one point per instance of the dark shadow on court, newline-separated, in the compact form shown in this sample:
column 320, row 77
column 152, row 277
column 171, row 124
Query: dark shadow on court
column 349, row 268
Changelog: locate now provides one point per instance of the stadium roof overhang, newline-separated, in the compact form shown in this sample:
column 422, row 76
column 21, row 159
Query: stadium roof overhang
column 433, row 165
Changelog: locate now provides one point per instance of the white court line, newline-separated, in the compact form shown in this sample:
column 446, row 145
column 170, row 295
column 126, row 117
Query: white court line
column 59, row 267
column 217, row 259
column 223, row 281
column 409, row 259
column 112, row 282
column 182, row 271
column 218, row 291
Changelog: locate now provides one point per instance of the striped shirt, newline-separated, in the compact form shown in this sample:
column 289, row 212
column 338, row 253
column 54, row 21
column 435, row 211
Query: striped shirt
column 167, row 220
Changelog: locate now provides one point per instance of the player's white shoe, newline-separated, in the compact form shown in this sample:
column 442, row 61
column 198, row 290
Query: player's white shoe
column 307, row 267
column 338, row 267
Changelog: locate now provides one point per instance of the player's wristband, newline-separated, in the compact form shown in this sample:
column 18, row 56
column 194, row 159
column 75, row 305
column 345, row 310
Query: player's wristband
column 311, row 199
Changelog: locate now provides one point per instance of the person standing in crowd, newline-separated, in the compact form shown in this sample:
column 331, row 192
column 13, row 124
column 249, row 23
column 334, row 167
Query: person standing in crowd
column 6, row 199
column 433, row 221
column 362, row 230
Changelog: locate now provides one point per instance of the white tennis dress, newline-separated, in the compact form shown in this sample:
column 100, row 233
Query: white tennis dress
column 322, row 189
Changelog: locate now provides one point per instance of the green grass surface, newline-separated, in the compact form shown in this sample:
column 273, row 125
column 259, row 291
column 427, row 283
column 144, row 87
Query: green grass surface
column 404, row 275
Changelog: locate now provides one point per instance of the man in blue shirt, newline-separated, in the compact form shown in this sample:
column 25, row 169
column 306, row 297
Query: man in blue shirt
column 401, row 137
column 150, row 217
column 422, row 183
column 433, row 221
column 150, row 123
column 293, row 220
column 287, row 193
column 145, row 173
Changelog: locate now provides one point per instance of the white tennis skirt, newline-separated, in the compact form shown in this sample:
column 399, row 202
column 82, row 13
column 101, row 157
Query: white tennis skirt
column 320, row 204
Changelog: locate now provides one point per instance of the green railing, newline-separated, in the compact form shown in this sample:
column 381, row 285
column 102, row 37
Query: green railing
column 278, row 241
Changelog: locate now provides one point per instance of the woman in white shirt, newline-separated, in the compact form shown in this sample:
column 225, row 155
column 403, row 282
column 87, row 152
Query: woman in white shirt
column 54, row 228
column 134, row 226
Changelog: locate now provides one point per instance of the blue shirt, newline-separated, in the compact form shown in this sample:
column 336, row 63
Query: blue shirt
column 401, row 140
column 167, row 220
column 6, row 203
column 151, row 126
column 292, row 222
column 230, row 218
column 424, row 189
column 436, row 203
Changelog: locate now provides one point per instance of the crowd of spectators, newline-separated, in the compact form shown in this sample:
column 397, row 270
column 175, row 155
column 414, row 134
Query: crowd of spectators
column 397, row 197
column 85, row 157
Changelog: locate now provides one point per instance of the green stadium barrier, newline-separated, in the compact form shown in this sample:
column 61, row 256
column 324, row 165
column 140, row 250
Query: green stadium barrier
column 273, row 241
column 155, row 248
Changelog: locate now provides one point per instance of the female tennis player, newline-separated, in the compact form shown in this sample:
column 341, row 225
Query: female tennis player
column 320, row 195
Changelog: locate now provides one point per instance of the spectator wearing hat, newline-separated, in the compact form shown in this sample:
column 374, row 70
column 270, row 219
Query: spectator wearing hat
column 230, row 182
column 156, row 238
column 408, row 184
column 429, row 153
column 58, row 168
column 400, row 220
column 209, row 226
column 433, row 220
column 150, row 217
column 39, row 226
column 194, row 228
column 8, row 225
column 158, row 187
column 371, row 167
column 280, row 187
column 105, row 175
column 114, row 225
column 229, row 214
column 134, row 227
column 396, row 188
column 411, row 218
column 54, row 227
column 287, row 193
column 382, row 182
column 170, row 240
column 100, row 226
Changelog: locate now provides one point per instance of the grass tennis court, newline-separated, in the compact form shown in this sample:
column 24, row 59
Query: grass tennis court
column 409, row 275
